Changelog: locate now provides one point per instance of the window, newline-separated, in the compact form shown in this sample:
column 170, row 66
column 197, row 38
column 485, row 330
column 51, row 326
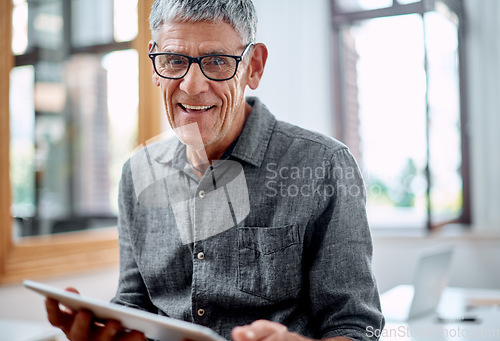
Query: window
column 400, row 108
column 73, row 112
column 52, row 120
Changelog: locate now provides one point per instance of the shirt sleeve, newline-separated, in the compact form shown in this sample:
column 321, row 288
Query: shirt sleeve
column 132, row 291
column 343, row 291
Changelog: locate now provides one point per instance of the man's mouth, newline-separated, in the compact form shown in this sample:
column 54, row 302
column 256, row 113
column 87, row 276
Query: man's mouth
column 195, row 109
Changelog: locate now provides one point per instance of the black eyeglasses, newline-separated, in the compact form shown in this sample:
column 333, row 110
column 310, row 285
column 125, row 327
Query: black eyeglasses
column 216, row 67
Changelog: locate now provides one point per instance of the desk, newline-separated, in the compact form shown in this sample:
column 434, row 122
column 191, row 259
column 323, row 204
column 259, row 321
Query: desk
column 453, row 305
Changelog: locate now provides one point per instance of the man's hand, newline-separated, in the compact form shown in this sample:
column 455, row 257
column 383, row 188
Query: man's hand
column 263, row 330
column 80, row 326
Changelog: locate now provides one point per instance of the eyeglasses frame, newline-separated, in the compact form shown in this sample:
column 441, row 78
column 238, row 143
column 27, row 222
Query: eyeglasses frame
column 197, row 60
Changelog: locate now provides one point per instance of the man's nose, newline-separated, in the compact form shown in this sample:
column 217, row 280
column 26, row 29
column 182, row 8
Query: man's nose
column 194, row 82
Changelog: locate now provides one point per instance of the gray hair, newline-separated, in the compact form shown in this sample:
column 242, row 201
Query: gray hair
column 240, row 14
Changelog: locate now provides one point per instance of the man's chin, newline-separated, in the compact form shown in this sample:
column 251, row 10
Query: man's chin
column 193, row 143
column 190, row 135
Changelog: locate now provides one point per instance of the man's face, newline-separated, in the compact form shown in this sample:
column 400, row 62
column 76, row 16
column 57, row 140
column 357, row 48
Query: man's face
column 218, row 107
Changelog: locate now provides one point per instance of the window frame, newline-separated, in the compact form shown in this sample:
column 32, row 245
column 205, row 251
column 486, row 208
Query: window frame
column 51, row 255
column 341, row 19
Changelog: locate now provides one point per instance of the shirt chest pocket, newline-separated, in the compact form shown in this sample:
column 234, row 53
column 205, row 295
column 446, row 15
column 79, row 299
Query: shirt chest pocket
column 270, row 261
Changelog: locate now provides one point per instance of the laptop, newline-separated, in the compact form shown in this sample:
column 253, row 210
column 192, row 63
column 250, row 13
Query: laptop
column 406, row 302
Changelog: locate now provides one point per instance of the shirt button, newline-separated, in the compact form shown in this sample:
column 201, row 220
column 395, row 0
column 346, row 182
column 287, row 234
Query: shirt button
column 201, row 256
column 201, row 312
column 201, row 194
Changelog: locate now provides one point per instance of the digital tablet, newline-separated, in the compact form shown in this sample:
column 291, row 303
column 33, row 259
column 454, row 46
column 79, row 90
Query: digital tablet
column 153, row 326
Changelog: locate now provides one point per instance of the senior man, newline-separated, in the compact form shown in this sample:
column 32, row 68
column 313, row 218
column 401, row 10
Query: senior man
column 242, row 223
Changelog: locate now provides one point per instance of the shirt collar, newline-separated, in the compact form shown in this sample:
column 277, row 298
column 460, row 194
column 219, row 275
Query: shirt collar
column 256, row 134
column 250, row 146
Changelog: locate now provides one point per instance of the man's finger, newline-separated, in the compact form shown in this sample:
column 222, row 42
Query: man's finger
column 259, row 331
column 80, row 329
column 109, row 331
column 243, row 333
column 71, row 289
column 56, row 317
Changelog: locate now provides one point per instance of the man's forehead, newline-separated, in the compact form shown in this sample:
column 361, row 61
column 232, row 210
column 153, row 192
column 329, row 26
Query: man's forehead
column 202, row 37
column 187, row 47
column 200, row 30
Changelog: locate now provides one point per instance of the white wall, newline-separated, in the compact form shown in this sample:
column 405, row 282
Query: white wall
column 297, row 34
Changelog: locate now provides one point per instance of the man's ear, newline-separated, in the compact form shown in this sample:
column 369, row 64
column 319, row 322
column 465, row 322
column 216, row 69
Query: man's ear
column 256, row 65
column 155, row 77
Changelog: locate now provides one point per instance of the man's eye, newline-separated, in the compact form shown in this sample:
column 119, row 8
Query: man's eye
column 175, row 61
column 172, row 61
column 219, row 61
column 215, row 61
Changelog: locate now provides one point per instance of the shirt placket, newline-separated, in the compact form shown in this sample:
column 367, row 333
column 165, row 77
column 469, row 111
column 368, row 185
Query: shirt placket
column 200, row 310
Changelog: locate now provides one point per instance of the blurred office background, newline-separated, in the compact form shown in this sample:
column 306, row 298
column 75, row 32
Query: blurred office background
column 412, row 87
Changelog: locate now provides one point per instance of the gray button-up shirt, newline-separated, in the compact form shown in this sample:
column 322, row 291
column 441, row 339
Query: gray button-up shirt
column 275, row 230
